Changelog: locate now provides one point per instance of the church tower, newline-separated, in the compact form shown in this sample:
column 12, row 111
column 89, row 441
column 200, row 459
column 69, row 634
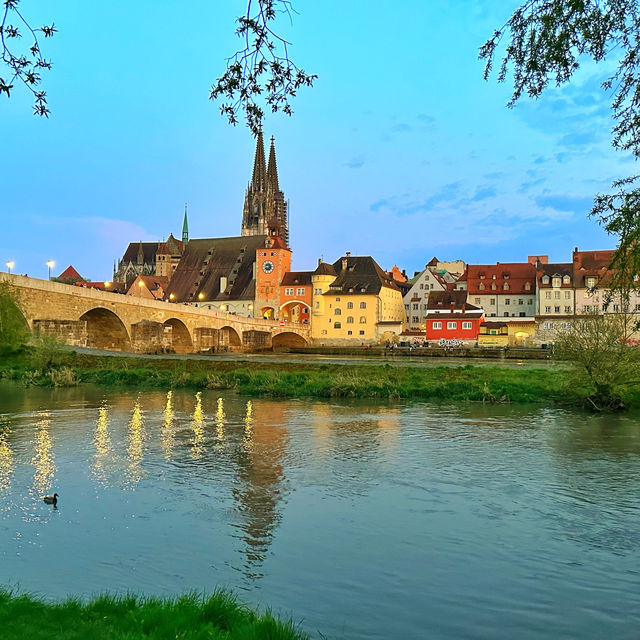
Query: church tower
column 263, row 201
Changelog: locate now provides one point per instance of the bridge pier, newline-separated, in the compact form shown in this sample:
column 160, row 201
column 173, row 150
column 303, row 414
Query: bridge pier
column 71, row 332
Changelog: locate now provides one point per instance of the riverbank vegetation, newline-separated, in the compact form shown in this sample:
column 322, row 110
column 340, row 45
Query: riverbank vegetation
column 36, row 365
column 189, row 617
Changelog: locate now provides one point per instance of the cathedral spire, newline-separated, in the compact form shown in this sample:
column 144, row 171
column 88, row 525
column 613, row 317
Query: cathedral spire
column 185, row 226
column 272, row 167
column 259, row 179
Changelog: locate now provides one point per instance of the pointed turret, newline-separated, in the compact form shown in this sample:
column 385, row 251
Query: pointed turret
column 185, row 226
column 272, row 168
column 259, row 178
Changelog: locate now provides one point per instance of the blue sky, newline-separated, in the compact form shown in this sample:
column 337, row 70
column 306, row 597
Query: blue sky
column 400, row 150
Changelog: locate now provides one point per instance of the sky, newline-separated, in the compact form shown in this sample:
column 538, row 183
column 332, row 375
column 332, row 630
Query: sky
column 400, row 150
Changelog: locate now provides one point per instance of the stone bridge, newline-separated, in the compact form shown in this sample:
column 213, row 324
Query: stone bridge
column 92, row 318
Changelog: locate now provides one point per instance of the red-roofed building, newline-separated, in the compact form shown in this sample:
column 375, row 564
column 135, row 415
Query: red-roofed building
column 150, row 287
column 503, row 289
column 451, row 318
column 69, row 276
column 296, row 293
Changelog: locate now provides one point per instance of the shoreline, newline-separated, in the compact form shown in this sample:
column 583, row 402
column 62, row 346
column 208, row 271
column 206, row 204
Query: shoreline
column 308, row 378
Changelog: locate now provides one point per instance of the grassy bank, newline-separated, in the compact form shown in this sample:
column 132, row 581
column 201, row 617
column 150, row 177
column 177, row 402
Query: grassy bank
column 304, row 379
column 190, row 617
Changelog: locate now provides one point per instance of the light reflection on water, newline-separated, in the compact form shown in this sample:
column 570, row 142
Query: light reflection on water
column 367, row 520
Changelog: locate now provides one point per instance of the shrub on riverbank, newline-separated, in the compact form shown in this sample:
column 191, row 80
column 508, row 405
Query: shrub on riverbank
column 189, row 617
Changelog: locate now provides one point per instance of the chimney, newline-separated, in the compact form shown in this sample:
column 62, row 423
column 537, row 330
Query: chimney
column 344, row 264
column 319, row 261
column 348, row 254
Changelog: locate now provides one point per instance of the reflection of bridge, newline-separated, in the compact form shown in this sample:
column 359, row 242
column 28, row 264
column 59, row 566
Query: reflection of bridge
column 104, row 320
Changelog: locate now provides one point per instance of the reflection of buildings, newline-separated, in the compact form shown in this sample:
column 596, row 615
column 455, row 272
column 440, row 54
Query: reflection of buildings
column 6, row 459
column 261, row 475
column 43, row 458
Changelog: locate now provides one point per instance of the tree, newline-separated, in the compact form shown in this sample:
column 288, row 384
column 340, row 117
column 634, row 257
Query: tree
column 13, row 330
column 259, row 75
column 596, row 346
column 546, row 41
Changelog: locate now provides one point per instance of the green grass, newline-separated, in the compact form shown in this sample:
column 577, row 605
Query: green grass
column 189, row 617
column 492, row 384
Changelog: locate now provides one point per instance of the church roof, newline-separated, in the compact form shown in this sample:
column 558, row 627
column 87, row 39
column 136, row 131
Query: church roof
column 70, row 272
column 206, row 260
column 171, row 246
column 149, row 250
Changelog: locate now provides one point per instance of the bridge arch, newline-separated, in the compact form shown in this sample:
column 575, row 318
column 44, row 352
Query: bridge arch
column 105, row 330
column 288, row 339
column 229, row 337
column 181, row 338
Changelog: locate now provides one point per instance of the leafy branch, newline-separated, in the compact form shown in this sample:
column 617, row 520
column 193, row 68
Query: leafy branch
column 546, row 40
column 23, row 65
column 262, row 66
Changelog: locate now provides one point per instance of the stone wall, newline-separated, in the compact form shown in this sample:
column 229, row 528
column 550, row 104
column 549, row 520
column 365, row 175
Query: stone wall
column 71, row 332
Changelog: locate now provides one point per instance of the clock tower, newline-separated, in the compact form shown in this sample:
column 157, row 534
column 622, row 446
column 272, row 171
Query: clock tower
column 273, row 260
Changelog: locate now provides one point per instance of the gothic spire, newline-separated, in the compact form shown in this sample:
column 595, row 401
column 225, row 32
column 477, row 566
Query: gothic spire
column 185, row 226
column 272, row 168
column 259, row 179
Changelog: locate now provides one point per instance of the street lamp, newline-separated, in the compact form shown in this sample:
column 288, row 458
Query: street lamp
column 201, row 296
column 50, row 264
column 10, row 264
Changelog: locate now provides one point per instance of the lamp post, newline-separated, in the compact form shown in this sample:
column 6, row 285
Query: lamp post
column 10, row 264
column 50, row 264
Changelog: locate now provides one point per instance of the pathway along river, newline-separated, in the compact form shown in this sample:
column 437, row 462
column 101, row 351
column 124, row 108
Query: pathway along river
column 360, row 520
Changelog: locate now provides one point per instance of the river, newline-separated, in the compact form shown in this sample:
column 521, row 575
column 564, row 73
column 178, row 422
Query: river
column 360, row 520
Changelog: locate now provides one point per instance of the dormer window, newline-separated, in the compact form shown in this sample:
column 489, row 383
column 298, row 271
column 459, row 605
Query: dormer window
column 481, row 286
column 527, row 286
column 493, row 286
column 556, row 281
column 480, row 275
column 505, row 276
column 505, row 286
column 591, row 282
column 545, row 279
column 566, row 280
column 494, row 276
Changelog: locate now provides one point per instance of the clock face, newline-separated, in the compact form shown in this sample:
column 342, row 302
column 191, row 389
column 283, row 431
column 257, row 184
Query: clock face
column 267, row 266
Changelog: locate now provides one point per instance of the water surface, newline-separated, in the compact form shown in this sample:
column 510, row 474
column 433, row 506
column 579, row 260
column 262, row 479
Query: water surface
column 361, row 520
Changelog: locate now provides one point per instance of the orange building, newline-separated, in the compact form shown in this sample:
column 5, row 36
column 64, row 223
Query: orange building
column 273, row 260
column 295, row 296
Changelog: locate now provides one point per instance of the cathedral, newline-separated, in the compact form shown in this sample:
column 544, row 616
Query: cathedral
column 264, row 202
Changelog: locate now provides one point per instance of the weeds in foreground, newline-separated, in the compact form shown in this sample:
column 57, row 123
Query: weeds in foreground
column 193, row 617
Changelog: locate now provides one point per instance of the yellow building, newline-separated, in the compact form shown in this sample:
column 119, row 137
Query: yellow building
column 510, row 333
column 354, row 301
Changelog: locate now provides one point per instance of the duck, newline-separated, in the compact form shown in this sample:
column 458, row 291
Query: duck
column 51, row 499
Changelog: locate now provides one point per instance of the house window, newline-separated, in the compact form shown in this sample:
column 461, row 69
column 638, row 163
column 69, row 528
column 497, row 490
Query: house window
column 317, row 291
column 337, row 299
column 591, row 282
column 506, row 314
column 288, row 292
column 300, row 291
column 587, row 308
column 317, row 305
column 415, row 319
column 337, row 325
column 616, row 308
column 567, row 309
column 350, row 305
column 556, row 309
column 567, row 295
column 547, row 295
column 349, row 319
column 564, row 325
column 273, row 253
column 556, row 295
column 547, row 309
column 596, row 308
column 492, row 301
column 522, row 314
column 406, row 306
column 415, row 306
column 466, row 326
column 363, row 305
column 337, row 312
column 530, row 301
column 436, row 325
column 349, row 333
column 476, row 301
column 547, row 325
column 452, row 325
column 324, row 332
column 432, row 285
column 361, row 332
column 507, row 301
column 520, row 301
column 422, row 286
column 363, row 320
